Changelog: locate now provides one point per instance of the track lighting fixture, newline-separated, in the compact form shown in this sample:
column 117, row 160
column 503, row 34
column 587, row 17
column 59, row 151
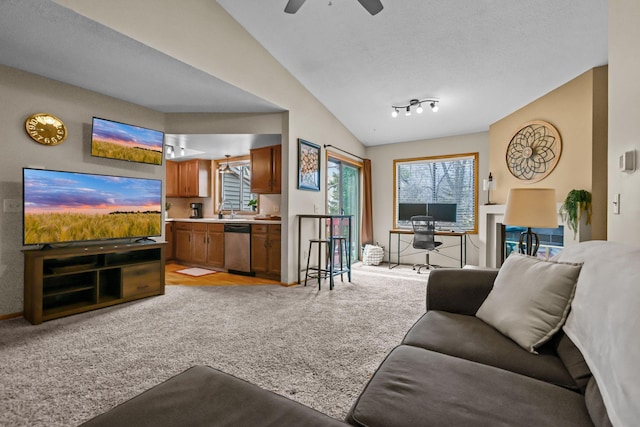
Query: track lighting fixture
column 433, row 103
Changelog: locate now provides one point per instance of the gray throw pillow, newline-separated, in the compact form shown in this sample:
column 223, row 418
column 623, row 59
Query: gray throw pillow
column 530, row 299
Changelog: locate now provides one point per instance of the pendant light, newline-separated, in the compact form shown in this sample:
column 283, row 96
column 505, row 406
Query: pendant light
column 227, row 169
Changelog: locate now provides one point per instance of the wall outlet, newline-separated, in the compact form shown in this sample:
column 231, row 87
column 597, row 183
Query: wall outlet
column 12, row 205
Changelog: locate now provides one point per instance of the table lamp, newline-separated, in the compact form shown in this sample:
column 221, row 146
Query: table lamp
column 488, row 185
column 531, row 208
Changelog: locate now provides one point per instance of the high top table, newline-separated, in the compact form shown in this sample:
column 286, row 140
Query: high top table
column 320, row 218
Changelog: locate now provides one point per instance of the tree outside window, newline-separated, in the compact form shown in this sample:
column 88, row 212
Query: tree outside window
column 450, row 179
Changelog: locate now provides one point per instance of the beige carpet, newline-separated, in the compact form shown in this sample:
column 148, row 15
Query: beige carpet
column 316, row 347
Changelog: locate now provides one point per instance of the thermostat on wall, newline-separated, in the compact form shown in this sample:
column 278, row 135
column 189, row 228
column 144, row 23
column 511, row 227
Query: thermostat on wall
column 627, row 162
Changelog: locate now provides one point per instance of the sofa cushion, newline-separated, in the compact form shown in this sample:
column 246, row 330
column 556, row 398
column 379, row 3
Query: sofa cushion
column 203, row 396
column 530, row 299
column 470, row 338
column 595, row 404
column 418, row 387
column 573, row 361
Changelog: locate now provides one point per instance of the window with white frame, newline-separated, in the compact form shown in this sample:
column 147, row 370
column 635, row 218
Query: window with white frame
column 440, row 181
column 236, row 187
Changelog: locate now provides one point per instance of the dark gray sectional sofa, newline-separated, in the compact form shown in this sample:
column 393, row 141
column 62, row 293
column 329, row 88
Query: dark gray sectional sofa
column 451, row 369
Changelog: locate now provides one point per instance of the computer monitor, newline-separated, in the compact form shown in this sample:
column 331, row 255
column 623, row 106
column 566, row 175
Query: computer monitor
column 442, row 212
column 407, row 210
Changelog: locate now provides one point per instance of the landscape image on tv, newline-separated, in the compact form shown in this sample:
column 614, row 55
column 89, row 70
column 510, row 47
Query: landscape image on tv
column 121, row 141
column 71, row 207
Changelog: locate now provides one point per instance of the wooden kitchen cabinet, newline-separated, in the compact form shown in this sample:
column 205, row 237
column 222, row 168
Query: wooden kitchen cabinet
column 265, row 250
column 215, row 245
column 188, row 179
column 266, row 170
column 182, row 240
column 199, row 244
column 172, row 179
column 169, row 252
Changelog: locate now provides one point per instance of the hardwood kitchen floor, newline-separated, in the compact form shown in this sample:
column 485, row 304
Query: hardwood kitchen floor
column 217, row 279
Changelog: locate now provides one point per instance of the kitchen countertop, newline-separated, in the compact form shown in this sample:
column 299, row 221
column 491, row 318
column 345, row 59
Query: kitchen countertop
column 242, row 220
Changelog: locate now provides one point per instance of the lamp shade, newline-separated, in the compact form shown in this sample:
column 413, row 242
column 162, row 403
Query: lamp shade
column 531, row 207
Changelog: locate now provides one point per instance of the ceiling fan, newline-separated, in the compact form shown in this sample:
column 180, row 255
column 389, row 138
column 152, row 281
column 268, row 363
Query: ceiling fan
column 372, row 6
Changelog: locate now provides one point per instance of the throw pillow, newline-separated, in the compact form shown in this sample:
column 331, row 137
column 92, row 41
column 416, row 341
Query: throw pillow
column 530, row 299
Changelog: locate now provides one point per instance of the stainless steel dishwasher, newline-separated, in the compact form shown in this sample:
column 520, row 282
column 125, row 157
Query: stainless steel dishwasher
column 237, row 248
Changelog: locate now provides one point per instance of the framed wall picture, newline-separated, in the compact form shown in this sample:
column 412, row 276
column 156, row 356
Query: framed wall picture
column 308, row 165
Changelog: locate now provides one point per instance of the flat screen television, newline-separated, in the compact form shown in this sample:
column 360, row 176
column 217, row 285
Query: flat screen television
column 63, row 207
column 407, row 210
column 121, row 141
column 442, row 212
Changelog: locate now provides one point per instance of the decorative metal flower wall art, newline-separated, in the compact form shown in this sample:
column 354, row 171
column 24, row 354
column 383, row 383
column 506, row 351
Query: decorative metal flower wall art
column 534, row 151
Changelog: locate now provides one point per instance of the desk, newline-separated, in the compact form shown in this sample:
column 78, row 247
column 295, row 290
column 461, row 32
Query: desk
column 320, row 218
column 399, row 231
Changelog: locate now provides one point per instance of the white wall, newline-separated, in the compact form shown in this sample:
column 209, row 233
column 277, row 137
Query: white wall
column 624, row 113
column 382, row 157
column 23, row 94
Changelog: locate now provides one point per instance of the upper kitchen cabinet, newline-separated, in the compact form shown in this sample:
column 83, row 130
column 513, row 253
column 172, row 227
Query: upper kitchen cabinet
column 188, row 179
column 266, row 170
column 172, row 176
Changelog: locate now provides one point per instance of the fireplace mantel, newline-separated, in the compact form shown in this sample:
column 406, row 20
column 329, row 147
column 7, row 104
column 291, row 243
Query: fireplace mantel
column 489, row 233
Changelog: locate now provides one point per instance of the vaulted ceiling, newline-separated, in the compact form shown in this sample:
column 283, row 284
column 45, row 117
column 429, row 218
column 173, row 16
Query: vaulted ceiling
column 482, row 59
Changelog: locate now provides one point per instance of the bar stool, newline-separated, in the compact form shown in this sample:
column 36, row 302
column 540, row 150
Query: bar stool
column 341, row 248
column 334, row 245
column 320, row 273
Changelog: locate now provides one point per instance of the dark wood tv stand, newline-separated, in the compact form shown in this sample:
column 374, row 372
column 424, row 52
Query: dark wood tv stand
column 63, row 281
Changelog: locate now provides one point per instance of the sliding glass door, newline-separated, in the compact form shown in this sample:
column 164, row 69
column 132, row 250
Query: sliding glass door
column 343, row 194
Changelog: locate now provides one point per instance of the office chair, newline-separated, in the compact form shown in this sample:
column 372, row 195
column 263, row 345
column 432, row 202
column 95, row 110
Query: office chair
column 424, row 228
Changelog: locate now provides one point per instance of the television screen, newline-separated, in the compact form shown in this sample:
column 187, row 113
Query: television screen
column 407, row 210
column 64, row 207
column 442, row 212
column 120, row 141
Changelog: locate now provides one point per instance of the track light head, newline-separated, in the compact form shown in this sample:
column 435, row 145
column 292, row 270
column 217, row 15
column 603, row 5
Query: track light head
column 394, row 113
column 434, row 106
column 408, row 112
column 419, row 110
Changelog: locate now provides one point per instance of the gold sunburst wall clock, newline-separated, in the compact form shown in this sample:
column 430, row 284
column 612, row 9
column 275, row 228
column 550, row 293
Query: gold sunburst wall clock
column 45, row 129
column 533, row 151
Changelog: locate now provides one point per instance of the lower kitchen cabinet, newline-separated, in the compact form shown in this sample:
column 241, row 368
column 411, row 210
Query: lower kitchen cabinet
column 182, row 241
column 265, row 250
column 215, row 245
column 199, row 243
column 169, row 252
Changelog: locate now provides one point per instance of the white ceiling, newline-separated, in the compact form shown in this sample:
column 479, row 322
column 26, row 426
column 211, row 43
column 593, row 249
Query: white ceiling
column 483, row 59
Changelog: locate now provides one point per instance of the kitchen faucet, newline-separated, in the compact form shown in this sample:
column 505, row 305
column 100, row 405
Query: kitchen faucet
column 233, row 215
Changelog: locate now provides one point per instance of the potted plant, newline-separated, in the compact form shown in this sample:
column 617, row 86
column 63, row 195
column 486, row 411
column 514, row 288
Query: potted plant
column 577, row 203
column 167, row 206
column 253, row 203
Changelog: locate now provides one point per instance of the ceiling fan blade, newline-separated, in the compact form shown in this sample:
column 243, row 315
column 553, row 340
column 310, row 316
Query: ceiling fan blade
column 372, row 6
column 293, row 6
